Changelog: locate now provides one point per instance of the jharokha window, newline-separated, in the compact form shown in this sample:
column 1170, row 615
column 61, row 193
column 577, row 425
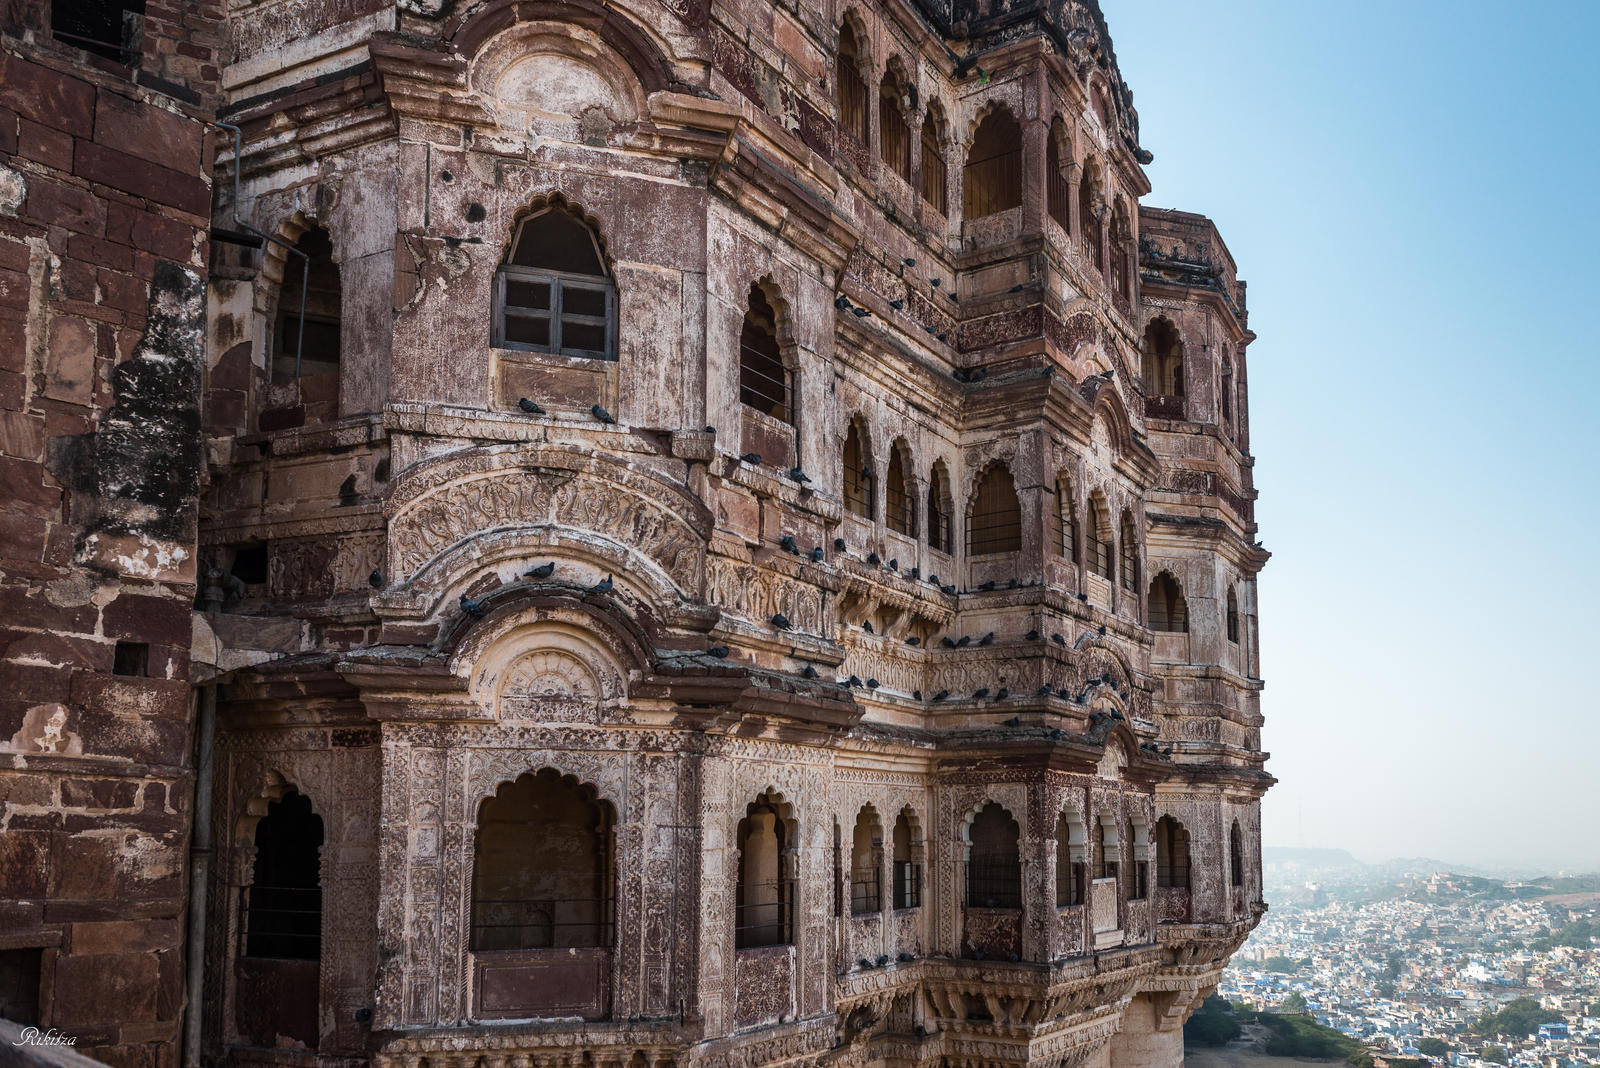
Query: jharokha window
column 1233, row 616
column 852, row 86
column 940, row 535
column 1063, row 523
column 1058, row 193
column 1097, row 527
column 1088, row 222
column 283, row 904
column 933, row 165
column 894, row 134
column 764, row 379
column 765, row 888
column 994, row 865
column 554, row 293
column 900, row 501
column 858, row 473
column 992, row 181
column 994, row 524
column 1165, row 608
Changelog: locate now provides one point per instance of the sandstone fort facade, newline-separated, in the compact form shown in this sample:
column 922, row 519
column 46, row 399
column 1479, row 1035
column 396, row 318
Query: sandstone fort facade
column 614, row 532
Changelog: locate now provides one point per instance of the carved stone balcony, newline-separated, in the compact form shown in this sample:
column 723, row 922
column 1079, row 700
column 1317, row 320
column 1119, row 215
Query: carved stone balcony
column 1160, row 406
column 1172, row 904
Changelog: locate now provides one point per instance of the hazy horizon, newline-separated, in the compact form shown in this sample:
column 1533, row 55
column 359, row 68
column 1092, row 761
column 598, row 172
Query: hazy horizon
column 1392, row 181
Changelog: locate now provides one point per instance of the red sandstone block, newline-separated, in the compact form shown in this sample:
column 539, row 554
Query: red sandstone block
column 109, row 167
column 21, row 435
column 193, row 51
column 24, row 863
column 124, row 292
column 8, row 131
column 105, row 989
column 58, row 204
column 11, row 384
column 22, row 487
column 14, row 286
column 148, row 132
column 100, row 253
column 62, row 650
column 98, row 793
column 45, row 145
column 163, row 620
column 45, row 96
column 166, row 238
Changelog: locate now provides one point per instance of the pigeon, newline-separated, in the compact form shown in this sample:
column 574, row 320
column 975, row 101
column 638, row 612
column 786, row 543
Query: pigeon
column 987, row 639
column 951, row 590
column 471, row 607
column 915, row 573
column 966, row 640
column 883, row 959
column 711, row 430
column 1083, row 597
column 719, row 651
column 838, row 545
column 787, row 544
column 1047, row 688
column 853, row 680
column 841, row 302
column 872, row 684
column 1002, row 694
column 903, row 957
column 916, row 695
column 543, row 571
column 959, row 374
column 930, row 329
column 375, row 580
column 603, row 586
column 1058, row 639
column 798, row 475
column 809, row 672
column 1013, row 584
column 1018, row 288
column 913, row 640
column 897, row 304
column 1102, row 630
column 751, row 458
column 873, row 559
column 978, row 373
column 866, row 625
column 868, row 472
column 935, row 282
column 894, row 564
column 528, row 406
column 986, row 586
column 859, row 312
column 934, row 579
column 781, row 621
column 980, row 693
column 862, row 962
column 1014, row 721
column 1031, row 636
column 941, row 695
column 909, row 262
column 347, row 490
column 945, row 337
column 947, row 643
column 816, row 555
column 602, row 415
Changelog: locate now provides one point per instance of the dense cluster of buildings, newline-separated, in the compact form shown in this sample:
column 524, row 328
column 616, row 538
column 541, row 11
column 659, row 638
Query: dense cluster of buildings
column 1395, row 972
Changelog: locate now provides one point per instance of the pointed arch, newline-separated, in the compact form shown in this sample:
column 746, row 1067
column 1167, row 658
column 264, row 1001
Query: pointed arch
column 1063, row 519
column 1071, row 869
column 851, row 89
column 992, row 178
column 1129, row 562
column 935, row 172
column 894, row 131
column 1058, row 190
column 1165, row 608
column 940, row 533
column 767, row 840
column 554, row 292
column 766, row 379
column 994, row 515
column 1233, row 616
column 899, row 491
column 866, row 863
column 994, row 860
column 1097, row 536
column 283, row 903
column 1089, row 212
column 1162, row 358
column 860, row 490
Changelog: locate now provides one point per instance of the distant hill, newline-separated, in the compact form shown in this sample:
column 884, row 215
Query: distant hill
column 1319, row 858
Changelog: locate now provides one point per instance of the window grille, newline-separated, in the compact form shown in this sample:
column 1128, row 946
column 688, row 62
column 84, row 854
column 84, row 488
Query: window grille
column 1088, row 225
column 894, row 136
column 1057, row 193
column 1172, row 854
column 1063, row 525
column 1233, row 617
column 899, row 503
column 992, row 180
column 314, row 335
column 857, row 478
column 852, row 88
column 1236, row 854
column 995, row 522
column 282, row 906
column 1165, row 608
column 933, row 165
column 1099, row 543
column 940, row 534
column 866, row 892
column 907, row 884
column 1130, row 554
column 764, row 914
column 554, row 294
column 764, row 379
column 110, row 28
column 994, row 868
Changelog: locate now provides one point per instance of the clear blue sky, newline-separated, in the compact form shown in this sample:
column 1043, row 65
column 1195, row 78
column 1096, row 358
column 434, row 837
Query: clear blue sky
column 1410, row 189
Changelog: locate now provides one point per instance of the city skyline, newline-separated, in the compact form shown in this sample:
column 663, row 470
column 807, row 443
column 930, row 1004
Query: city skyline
column 1419, row 398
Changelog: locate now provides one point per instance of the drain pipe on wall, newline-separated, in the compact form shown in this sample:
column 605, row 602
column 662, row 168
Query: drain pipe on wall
column 199, row 875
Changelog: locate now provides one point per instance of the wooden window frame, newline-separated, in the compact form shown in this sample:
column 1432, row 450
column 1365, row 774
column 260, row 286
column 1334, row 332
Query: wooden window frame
column 555, row 315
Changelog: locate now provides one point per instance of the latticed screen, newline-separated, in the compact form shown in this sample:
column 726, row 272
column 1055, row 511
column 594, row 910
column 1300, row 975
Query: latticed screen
column 1058, row 193
column 1062, row 527
column 1172, row 854
column 857, row 477
column 900, row 505
column 995, row 525
column 993, row 178
column 1086, row 220
column 939, row 532
column 894, row 135
column 933, row 168
column 852, row 88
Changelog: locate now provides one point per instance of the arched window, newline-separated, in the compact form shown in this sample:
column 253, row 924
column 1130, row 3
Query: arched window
column 899, row 496
column 554, row 293
column 1164, row 607
column 933, row 165
column 940, row 535
column 1172, row 854
column 1134, row 847
column 542, row 873
column 314, row 333
column 994, row 521
column 866, row 864
column 994, row 865
column 852, row 85
column 1236, row 855
column 894, row 134
column 1097, row 531
column 1069, row 861
column 992, row 181
column 907, row 863
column 1063, row 521
column 1105, row 848
column 1163, row 359
column 1130, row 553
column 1117, row 261
column 764, row 895
column 764, row 380
column 283, row 913
column 858, row 472
column 1233, row 616
column 1088, row 220
column 838, row 870
column 1058, row 193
